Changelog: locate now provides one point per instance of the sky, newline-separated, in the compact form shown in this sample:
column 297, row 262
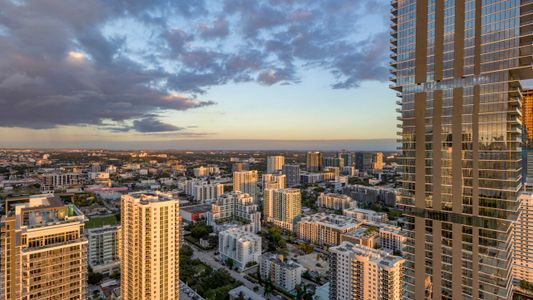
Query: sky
column 195, row 74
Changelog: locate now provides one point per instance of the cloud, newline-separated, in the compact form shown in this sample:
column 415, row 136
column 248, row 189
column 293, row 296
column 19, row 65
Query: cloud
column 98, row 62
column 151, row 124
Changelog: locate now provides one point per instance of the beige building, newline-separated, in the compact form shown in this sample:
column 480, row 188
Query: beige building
column 283, row 273
column 150, row 239
column 325, row 229
column 235, row 207
column 282, row 207
column 43, row 250
column 246, row 182
column 275, row 163
column 377, row 161
column 360, row 273
column 274, row 181
column 523, row 240
column 364, row 236
column 335, row 201
column 314, row 161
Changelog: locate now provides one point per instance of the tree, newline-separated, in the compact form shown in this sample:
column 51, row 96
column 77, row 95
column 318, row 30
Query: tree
column 229, row 262
column 94, row 278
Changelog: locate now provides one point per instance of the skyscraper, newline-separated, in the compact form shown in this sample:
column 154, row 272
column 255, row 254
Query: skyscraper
column 360, row 273
column 275, row 163
column 377, row 161
column 273, row 181
column 150, row 241
column 43, row 250
column 314, row 161
column 347, row 156
column 523, row 240
column 282, row 207
column 293, row 174
column 527, row 136
column 457, row 66
column 246, row 182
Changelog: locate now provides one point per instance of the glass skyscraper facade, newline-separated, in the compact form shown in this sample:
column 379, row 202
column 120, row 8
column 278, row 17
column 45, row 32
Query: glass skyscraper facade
column 457, row 67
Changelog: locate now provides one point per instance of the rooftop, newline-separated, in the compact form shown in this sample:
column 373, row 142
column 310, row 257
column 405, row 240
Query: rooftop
column 381, row 257
column 281, row 261
column 331, row 220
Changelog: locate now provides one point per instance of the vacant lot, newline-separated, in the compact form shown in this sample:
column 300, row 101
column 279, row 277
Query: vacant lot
column 101, row 221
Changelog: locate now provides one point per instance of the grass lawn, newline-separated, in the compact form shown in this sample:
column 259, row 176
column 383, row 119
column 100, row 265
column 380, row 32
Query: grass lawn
column 101, row 221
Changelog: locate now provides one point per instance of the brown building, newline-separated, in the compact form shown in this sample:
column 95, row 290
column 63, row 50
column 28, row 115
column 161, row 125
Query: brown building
column 43, row 250
column 457, row 67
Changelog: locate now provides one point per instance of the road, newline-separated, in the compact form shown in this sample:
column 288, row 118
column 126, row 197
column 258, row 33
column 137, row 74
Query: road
column 208, row 257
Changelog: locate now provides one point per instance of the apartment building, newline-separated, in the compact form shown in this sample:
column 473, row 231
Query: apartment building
column 365, row 215
column 203, row 191
column 103, row 249
column 275, row 163
column 242, row 247
column 360, row 273
column 335, row 201
column 325, row 229
column 43, row 250
column 235, row 207
column 246, row 182
column 282, row 207
column 293, row 174
column 150, row 239
column 284, row 273
column 274, row 181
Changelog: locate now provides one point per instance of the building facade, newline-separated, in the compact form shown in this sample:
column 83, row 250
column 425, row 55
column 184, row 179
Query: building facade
column 360, row 273
column 365, row 215
column 457, row 67
column 335, row 201
column 150, row 241
column 203, row 191
column 283, row 273
column 292, row 173
column 103, row 249
column 43, row 250
column 523, row 240
column 275, row 163
column 242, row 247
column 314, row 161
column 274, row 181
column 246, row 182
column 325, row 229
column 282, row 207
column 235, row 206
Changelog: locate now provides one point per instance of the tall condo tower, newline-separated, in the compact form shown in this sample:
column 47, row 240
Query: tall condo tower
column 457, row 67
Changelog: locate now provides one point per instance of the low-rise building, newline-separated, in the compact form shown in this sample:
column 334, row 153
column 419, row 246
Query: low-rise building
column 240, row 246
column 364, row 235
column 325, row 229
column 365, row 215
column 358, row 272
column 335, row 201
column 283, row 273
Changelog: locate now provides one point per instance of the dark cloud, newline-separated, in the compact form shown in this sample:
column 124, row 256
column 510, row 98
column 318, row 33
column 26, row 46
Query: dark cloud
column 61, row 65
column 151, row 124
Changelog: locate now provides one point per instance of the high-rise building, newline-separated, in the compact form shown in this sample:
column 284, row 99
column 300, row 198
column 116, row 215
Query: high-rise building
column 363, row 161
column 275, row 163
column 523, row 240
column 246, row 182
column 377, row 161
column 242, row 247
column 360, row 273
column 43, row 250
column 348, row 157
column 314, row 161
column 274, row 181
column 103, row 249
column 457, row 67
column 334, row 162
column 150, row 241
column 527, row 136
column 203, row 191
column 282, row 207
column 235, row 206
column 293, row 175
